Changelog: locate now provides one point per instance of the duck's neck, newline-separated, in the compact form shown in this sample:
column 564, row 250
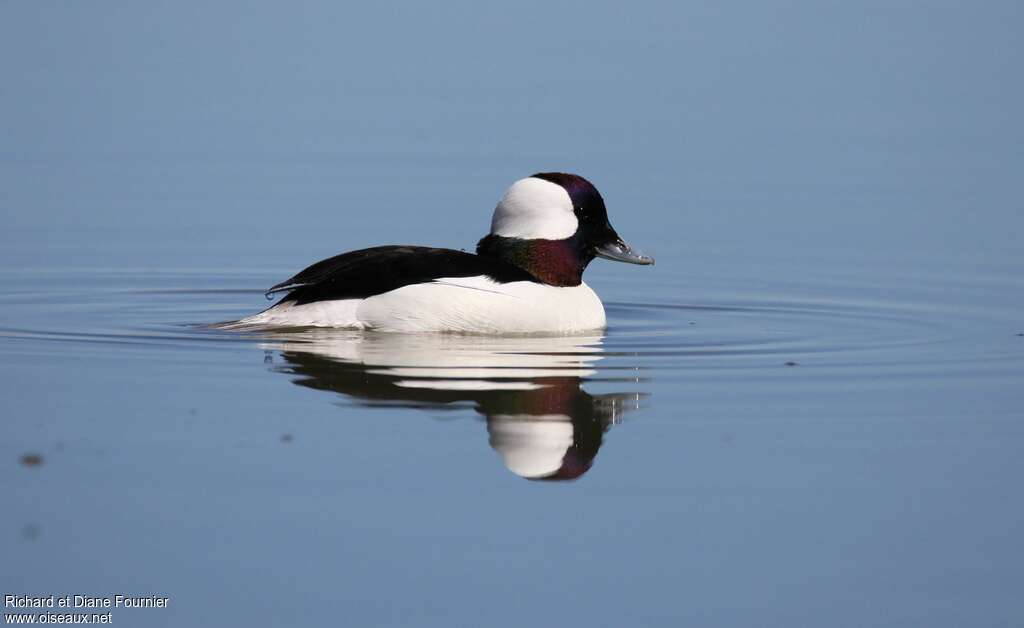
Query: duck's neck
column 554, row 262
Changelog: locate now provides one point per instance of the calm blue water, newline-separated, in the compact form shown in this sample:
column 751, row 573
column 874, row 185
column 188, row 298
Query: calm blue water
column 809, row 412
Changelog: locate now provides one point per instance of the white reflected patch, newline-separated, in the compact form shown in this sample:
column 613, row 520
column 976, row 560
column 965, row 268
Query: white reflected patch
column 505, row 372
column 465, row 384
column 534, row 209
column 531, row 446
column 444, row 358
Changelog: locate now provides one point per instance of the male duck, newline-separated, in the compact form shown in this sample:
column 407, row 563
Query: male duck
column 526, row 276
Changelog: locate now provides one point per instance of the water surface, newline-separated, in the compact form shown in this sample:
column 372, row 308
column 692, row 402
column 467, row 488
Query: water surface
column 796, row 439
column 809, row 412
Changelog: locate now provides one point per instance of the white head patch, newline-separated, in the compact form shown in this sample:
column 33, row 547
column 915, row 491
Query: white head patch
column 534, row 209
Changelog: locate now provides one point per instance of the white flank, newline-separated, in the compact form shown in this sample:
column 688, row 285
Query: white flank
column 534, row 209
column 472, row 305
column 340, row 313
column 482, row 306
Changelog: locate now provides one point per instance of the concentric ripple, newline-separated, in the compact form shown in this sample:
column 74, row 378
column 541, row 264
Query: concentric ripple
column 755, row 332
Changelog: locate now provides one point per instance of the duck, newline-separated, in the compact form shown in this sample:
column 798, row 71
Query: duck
column 526, row 276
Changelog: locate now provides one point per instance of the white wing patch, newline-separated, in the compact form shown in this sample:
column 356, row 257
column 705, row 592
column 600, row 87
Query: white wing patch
column 474, row 283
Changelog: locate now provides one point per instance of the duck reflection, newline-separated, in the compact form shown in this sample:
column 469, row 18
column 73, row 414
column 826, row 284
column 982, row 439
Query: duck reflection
column 540, row 421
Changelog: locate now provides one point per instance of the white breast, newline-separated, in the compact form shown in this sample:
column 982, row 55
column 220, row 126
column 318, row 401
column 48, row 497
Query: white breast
column 452, row 304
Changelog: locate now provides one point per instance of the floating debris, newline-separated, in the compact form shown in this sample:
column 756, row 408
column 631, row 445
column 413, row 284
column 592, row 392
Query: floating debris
column 287, row 438
column 32, row 460
column 31, row 531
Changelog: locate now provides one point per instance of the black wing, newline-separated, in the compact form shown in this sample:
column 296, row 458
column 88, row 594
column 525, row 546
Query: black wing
column 368, row 272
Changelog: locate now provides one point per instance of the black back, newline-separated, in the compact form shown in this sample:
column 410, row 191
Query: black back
column 368, row 272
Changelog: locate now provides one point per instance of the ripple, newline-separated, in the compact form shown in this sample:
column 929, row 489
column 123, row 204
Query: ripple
column 547, row 402
column 748, row 330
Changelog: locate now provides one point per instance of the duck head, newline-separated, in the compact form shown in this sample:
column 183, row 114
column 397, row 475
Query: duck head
column 552, row 225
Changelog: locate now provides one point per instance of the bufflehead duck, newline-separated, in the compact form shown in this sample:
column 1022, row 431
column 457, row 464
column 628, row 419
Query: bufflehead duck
column 526, row 277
